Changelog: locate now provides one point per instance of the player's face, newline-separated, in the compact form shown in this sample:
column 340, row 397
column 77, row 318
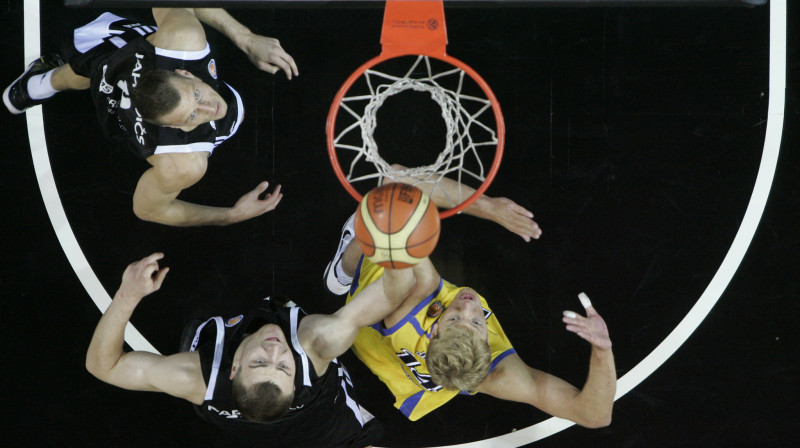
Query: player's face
column 266, row 356
column 465, row 310
column 199, row 103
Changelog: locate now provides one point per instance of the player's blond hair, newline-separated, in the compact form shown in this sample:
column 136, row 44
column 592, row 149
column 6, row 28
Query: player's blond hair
column 458, row 358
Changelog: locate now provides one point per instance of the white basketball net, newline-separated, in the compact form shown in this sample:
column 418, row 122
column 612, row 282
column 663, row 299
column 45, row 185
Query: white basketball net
column 460, row 120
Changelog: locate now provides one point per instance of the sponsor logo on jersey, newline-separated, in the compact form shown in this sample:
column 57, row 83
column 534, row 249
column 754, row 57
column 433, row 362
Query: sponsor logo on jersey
column 234, row 320
column 136, row 69
column 435, row 309
column 125, row 100
column 412, row 370
column 225, row 414
column 104, row 86
column 212, row 68
column 138, row 128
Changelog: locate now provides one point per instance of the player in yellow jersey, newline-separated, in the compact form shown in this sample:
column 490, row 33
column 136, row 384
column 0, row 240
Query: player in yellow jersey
column 444, row 340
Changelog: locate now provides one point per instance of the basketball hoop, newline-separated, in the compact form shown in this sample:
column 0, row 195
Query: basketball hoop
column 413, row 58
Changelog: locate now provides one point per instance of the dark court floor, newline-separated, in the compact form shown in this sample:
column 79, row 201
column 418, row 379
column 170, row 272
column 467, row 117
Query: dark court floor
column 634, row 134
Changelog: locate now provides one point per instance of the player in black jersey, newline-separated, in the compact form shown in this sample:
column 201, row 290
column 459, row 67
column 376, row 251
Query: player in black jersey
column 271, row 375
column 157, row 91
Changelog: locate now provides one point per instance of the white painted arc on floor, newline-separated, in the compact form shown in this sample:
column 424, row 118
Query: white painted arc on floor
column 52, row 202
column 712, row 293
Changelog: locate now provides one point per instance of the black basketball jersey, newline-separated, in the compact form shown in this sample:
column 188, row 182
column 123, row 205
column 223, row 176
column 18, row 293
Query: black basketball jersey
column 115, row 76
column 323, row 413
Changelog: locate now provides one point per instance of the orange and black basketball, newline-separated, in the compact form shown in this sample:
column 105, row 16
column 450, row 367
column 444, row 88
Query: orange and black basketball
column 397, row 225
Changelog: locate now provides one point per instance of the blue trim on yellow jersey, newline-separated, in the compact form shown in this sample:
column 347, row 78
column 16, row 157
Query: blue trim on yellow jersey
column 499, row 358
column 492, row 366
column 410, row 403
column 411, row 317
column 356, row 276
column 415, row 323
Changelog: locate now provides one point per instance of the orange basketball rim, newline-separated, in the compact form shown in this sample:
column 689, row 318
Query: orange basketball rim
column 417, row 28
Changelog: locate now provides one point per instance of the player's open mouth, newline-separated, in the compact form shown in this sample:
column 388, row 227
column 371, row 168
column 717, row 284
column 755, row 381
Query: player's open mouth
column 467, row 296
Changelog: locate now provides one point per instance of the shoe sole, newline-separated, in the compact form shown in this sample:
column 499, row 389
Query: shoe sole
column 331, row 281
column 7, row 100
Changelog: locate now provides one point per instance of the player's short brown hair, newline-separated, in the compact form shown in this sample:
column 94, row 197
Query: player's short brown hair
column 458, row 358
column 155, row 95
column 261, row 402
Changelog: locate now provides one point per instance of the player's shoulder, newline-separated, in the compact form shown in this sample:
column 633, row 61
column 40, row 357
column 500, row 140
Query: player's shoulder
column 178, row 29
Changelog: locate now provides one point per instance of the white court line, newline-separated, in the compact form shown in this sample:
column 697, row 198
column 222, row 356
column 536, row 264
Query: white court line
column 755, row 208
column 52, row 202
column 720, row 281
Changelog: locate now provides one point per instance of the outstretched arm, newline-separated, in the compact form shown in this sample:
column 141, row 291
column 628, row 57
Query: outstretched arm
column 331, row 335
column 265, row 52
column 501, row 210
column 178, row 375
column 155, row 198
column 590, row 406
column 180, row 29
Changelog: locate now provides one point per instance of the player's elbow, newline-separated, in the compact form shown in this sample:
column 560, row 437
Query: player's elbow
column 596, row 420
column 93, row 366
column 143, row 212
column 146, row 210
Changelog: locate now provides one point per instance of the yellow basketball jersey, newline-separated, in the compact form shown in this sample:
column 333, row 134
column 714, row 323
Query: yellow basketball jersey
column 397, row 355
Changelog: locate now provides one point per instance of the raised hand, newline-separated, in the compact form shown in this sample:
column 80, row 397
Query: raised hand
column 514, row 217
column 142, row 277
column 267, row 54
column 592, row 328
column 251, row 205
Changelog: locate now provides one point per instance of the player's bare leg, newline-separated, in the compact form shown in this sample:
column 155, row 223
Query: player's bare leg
column 64, row 78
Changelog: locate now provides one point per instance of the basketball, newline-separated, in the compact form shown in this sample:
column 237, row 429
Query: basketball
column 397, row 225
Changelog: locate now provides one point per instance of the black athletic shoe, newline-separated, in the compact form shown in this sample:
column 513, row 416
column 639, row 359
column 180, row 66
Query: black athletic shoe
column 16, row 96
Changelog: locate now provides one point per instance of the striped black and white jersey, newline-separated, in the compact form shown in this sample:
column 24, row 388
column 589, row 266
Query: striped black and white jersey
column 323, row 413
column 114, row 53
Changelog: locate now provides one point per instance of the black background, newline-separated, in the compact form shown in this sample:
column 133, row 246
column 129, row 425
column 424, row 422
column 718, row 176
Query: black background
column 633, row 134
